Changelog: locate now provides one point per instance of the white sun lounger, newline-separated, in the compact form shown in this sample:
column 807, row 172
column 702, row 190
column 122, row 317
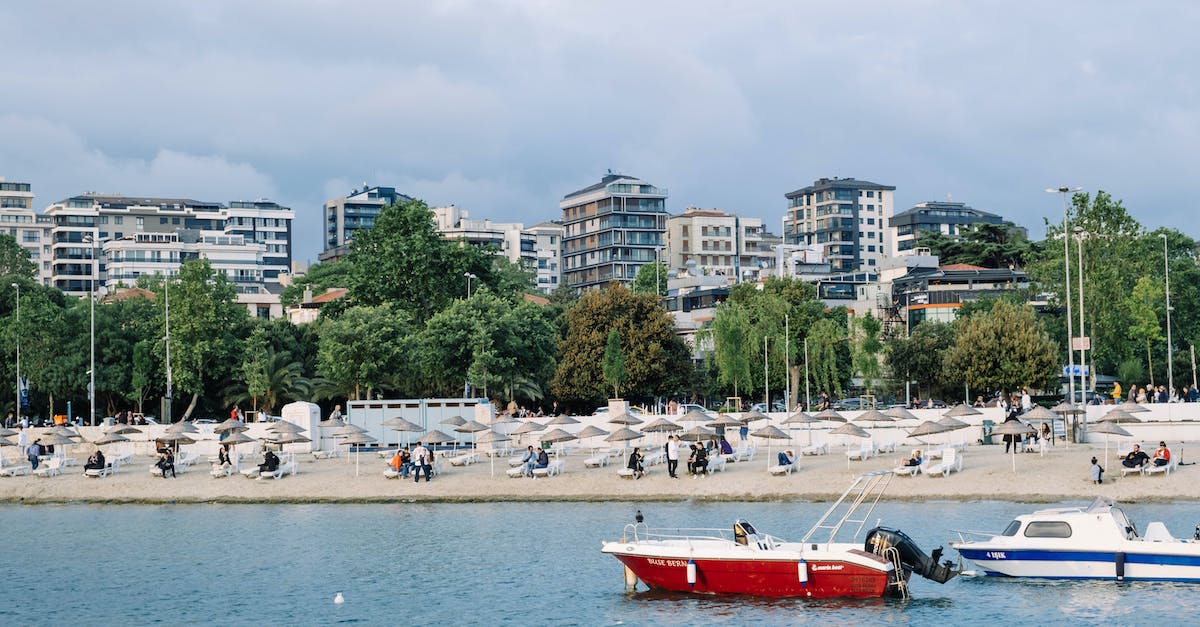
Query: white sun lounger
column 596, row 461
column 51, row 468
column 864, row 451
column 96, row 473
column 555, row 468
column 464, row 459
column 1151, row 469
column 951, row 462
column 816, row 449
column 14, row 471
column 911, row 471
column 780, row 471
column 716, row 463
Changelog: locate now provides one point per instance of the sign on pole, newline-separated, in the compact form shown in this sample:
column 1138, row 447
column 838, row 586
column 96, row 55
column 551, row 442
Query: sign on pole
column 1081, row 343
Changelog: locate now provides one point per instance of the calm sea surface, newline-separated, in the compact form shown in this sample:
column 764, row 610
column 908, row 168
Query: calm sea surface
column 507, row 563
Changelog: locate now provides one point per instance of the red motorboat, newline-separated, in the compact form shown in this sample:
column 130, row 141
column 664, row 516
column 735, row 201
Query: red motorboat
column 744, row 561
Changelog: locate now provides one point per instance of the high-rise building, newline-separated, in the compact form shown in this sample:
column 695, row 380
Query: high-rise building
column 548, row 237
column 116, row 239
column 358, row 210
column 948, row 218
column 719, row 243
column 32, row 231
column 846, row 217
column 613, row 228
column 510, row 239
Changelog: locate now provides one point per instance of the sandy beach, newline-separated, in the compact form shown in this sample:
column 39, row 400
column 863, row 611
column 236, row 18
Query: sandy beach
column 987, row 474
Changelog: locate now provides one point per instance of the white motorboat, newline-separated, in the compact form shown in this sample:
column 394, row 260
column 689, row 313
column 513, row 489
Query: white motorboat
column 1094, row 542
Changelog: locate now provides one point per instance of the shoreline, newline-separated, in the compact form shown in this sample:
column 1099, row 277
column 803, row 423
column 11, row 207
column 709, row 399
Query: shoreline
column 1059, row 475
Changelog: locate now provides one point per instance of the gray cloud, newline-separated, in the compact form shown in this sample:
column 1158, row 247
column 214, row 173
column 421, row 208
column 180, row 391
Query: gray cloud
column 503, row 107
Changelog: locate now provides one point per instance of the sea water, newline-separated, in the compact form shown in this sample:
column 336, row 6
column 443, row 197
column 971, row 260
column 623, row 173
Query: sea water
column 493, row 564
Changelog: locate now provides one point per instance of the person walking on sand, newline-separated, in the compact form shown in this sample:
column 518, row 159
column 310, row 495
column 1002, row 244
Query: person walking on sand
column 422, row 461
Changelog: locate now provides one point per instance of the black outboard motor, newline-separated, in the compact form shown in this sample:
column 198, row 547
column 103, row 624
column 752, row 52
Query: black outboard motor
column 912, row 557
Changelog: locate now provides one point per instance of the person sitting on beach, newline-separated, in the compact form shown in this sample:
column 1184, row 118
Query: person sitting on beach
column 916, row 458
column 726, row 447
column 270, row 462
column 166, row 461
column 397, row 463
column 786, row 458
column 1136, row 458
column 223, row 456
column 95, row 461
column 543, row 460
column 1097, row 472
column 691, row 460
column 1162, row 455
column 635, row 463
column 529, row 460
column 422, row 462
column 700, row 466
column 405, row 462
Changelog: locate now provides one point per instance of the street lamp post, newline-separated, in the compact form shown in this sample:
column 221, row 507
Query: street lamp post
column 167, row 340
column 17, row 412
column 469, row 276
column 91, row 239
column 1167, row 272
column 1080, row 234
column 1064, row 190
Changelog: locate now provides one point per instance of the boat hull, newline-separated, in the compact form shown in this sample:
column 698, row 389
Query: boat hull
column 760, row 577
column 1062, row 564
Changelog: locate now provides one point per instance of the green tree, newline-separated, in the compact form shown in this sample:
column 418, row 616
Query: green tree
column 986, row 245
column 319, row 278
column 656, row 360
column 255, row 365
column 824, row 340
column 866, row 349
column 919, row 356
column 14, row 260
column 1006, row 348
column 731, row 345
column 1144, row 303
column 366, row 349
column 651, row 279
column 782, row 305
column 614, row 362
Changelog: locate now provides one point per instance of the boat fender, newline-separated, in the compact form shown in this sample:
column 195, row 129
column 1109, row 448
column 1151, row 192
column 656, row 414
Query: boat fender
column 630, row 579
column 1120, row 567
column 802, row 572
column 691, row 573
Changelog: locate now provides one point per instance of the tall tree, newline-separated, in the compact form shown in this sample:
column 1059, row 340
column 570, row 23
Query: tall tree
column 14, row 260
column 824, row 340
column 1006, row 348
column 651, row 279
column 614, row 362
column 732, row 345
column 919, row 356
column 1144, row 303
column 986, row 245
column 366, row 349
column 866, row 349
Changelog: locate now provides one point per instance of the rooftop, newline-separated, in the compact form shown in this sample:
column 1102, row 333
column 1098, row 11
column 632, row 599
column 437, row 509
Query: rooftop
column 838, row 183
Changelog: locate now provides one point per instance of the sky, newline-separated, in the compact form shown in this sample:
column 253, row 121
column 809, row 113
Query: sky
column 504, row 107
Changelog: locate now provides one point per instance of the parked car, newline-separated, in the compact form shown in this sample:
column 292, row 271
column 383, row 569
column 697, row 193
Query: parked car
column 853, row 403
column 776, row 406
column 686, row 407
column 204, row 421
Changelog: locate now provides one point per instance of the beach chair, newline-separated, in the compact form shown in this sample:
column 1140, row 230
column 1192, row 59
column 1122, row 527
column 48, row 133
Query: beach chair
column 15, row 471
column 596, row 461
column 655, row 458
column 716, row 463
column 69, row 461
column 625, row 473
column 864, row 451
column 1151, row 469
column 886, row 447
column 815, row 449
column 464, row 459
column 52, row 468
column 516, row 473
column 220, row 471
column 285, row 468
column 911, row 471
column 123, row 457
column 391, row 473
column 516, row 462
column 329, row 454
column 555, row 468
column 185, row 460
column 779, row 471
column 439, row 465
column 387, row 453
column 951, row 462
column 96, row 473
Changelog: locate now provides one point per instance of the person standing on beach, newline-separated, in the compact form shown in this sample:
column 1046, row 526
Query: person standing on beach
column 422, row 460
column 32, row 453
column 336, row 414
column 672, row 456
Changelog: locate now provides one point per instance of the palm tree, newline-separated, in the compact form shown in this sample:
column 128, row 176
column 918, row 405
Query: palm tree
column 282, row 380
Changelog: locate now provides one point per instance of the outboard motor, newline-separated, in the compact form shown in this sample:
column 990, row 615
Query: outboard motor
column 912, row 557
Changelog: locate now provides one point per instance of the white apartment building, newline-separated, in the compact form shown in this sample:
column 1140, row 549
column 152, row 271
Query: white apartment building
column 249, row 241
column 719, row 243
column 548, row 237
column 613, row 228
column 32, row 231
column 509, row 238
column 848, row 218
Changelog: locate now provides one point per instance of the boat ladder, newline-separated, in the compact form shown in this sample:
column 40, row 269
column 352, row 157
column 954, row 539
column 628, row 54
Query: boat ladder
column 897, row 581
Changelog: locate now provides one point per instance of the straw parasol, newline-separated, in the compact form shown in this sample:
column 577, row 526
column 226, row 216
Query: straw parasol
column 851, row 430
column 695, row 415
column 556, row 435
column 562, row 419
column 962, row 409
column 357, row 439
column 347, row 430
column 753, row 415
column 1014, row 428
column 182, row 426
column 929, row 427
column 899, row 413
column 623, row 435
column 662, row 425
column 874, row 415
column 331, row 422
column 591, row 431
column 122, row 429
column 1118, row 416
column 951, row 423
column 1108, row 428
column 471, row 427
column 725, row 420
column 829, row 415
column 400, row 424
column 528, row 427
column 1067, row 409
column 770, row 432
column 454, row 421
column 110, row 438
column 697, row 433
column 230, row 425
column 1039, row 413
column 625, row 418
column 435, row 437
column 801, row 418
column 492, row 437
column 1132, row 408
column 284, row 426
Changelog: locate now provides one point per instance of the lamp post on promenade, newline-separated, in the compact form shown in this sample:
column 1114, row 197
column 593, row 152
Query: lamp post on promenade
column 1079, row 235
column 93, row 240
column 1064, row 190
column 1167, row 272
column 469, row 276
column 17, row 413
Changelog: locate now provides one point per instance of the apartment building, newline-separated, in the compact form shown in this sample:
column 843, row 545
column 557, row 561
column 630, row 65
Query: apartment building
column 32, row 231
column 548, row 237
column 612, row 229
column 358, row 210
column 509, row 238
column 846, row 217
column 720, row 243
column 948, row 218
column 116, row 239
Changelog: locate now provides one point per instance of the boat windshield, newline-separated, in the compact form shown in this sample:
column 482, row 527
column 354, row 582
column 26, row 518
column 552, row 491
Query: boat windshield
column 1011, row 529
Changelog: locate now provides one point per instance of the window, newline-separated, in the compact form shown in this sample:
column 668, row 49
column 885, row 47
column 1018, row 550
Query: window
column 118, row 219
column 870, row 262
column 1048, row 529
column 871, row 248
column 162, row 220
column 1011, row 529
column 870, row 220
column 174, row 220
column 871, row 235
column 870, row 194
column 141, row 222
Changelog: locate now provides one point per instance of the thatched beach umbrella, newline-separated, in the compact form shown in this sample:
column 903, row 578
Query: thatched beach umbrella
column 768, row 433
column 109, row 438
column 1108, row 428
column 454, row 421
column 1132, row 408
column 471, row 427
column 1013, row 428
column 623, row 435
column 232, row 440
column 929, row 427
column 873, row 415
column 697, row 434
column 951, row 423
column 555, row 436
column 492, row 437
column 182, row 426
column 695, row 415
column 1067, row 409
column 801, row 418
column 122, row 429
column 332, row 423
column 662, row 425
column 852, row 430
column 960, row 410
column 753, row 416
column 404, row 426
column 528, row 427
column 562, row 419
column 229, row 425
column 1119, row 416
column 829, row 415
column 900, row 413
column 283, row 426
column 360, row 440
column 591, row 431
column 625, row 418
